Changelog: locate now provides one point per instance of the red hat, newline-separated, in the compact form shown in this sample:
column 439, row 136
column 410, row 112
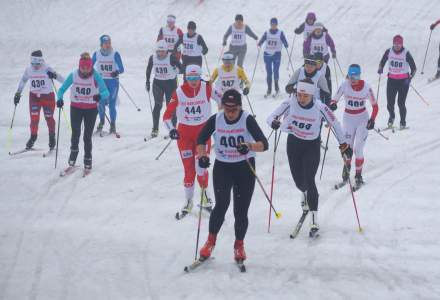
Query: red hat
column 398, row 40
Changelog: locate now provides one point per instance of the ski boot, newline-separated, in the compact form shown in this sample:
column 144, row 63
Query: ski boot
column 87, row 166
column 390, row 122
column 304, row 204
column 100, row 126
column 207, row 202
column 154, row 133
column 112, row 127
column 345, row 172
column 239, row 253
column 437, row 75
column 31, row 141
column 206, row 250
column 268, row 93
column 402, row 125
column 277, row 89
column 73, row 156
column 314, row 227
column 52, row 141
column 188, row 206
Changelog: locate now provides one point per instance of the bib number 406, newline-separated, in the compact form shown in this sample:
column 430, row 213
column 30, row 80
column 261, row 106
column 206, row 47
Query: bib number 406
column 231, row 141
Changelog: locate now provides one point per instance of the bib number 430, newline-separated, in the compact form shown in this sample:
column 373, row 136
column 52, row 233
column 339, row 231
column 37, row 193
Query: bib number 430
column 37, row 83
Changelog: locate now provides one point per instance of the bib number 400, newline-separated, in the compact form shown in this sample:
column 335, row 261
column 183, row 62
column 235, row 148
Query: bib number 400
column 231, row 141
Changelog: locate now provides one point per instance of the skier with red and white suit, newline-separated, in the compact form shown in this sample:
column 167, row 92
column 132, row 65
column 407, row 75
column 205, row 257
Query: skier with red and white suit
column 356, row 121
column 192, row 104
column 171, row 34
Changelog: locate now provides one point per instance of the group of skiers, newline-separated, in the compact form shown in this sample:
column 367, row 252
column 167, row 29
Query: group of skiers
column 237, row 136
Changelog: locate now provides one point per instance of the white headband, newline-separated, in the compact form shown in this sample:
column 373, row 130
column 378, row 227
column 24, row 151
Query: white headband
column 36, row 60
column 171, row 18
column 305, row 88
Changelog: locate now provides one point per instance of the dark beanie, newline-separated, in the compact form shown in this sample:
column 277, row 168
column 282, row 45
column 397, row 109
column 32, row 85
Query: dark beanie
column 192, row 25
column 231, row 98
column 37, row 53
column 239, row 17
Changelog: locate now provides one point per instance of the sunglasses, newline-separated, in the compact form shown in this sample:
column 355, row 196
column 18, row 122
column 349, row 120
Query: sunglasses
column 310, row 62
column 192, row 78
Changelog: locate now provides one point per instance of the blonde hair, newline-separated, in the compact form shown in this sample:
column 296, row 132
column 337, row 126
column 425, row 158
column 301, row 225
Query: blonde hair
column 85, row 55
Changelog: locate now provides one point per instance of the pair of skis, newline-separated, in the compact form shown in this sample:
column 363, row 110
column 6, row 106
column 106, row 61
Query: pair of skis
column 71, row 169
column 45, row 154
column 356, row 186
column 202, row 260
column 274, row 95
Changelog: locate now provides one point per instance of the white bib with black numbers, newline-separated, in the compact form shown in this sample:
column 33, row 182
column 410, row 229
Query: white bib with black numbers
column 39, row 81
column 105, row 65
column 190, row 46
column 315, row 79
column 193, row 110
column 83, row 89
column 170, row 36
column 273, row 42
column 163, row 70
column 397, row 64
column 227, row 80
column 238, row 36
column 303, row 123
column 228, row 136
column 319, row 45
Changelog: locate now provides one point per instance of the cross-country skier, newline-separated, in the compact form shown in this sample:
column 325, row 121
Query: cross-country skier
column 309, row 70
column 323, row 67
column 238, row 32
column 87, row 89
column 109, row 65
column 237, row 138
column 399, row 78
column 302, row 121
column 191, row 103
column 193, row 46
column 166, row 67
column 273, row 40
column 307, row 26
column 319, row 41
column 356, row 121
column 170, row 34
column 228, row 76
column 432, row 27
column 41, row 95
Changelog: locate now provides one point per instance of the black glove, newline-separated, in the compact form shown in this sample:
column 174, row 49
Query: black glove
column 245, row 91
column 147, row 86
column 51, row 75
column 243, row 148
column 60, row 103
column 174, row 134
column 346, row 151
column 224, row 43
column 275, row 124
column 333, row 106
column 370, row 124
column 289, row 89
column 380, row 71
column 114, row 74
column 96, row 97
column 17, row 98
column 432, row 26
column 204, row 162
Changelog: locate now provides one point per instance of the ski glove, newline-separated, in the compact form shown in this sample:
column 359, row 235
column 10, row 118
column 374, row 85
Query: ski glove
column 174, row 134
column 147, row 86
column 380, row 71
column 290, row 89
column 432, row 26
column 370, row 124
column 96, row 97
column 224, row 43
column 245, row 91
column 275, row 124
column 17, row 98
column 60, row 103
column 333, row 106
column 243, row 148
column 114, row 74
column 204, row 162
column 346, row 151
column 51, row 75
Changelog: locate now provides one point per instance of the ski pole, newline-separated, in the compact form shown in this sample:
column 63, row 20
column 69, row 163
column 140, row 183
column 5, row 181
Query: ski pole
column 207, row 67
column 163, row 150
column 336, row 74
column 290, row 61
column 58, row 136
column 220, row 57
column 149, row 100
column 64, row 113
column 381, row 134
column 340, row 69
column 199, row 223
column 354, row 199
column 418, row 94
column 276, row 140
column 291, row 50
column 325, row 152
column 378, row 87
column 129, row 97
column 277, row 214
column 8, row 146
column 255, row 66
column 250, row 106
column 426, row 53
column 276, row 118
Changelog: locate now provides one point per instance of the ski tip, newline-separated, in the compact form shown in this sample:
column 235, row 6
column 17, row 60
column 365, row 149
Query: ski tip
column 278, row 215
column 186, row 269
column 360, row 230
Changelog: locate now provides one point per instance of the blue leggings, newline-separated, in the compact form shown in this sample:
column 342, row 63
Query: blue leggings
column 113, row 88
column 272, row 67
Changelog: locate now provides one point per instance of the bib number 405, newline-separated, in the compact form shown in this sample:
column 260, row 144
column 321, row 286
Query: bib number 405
column 231, row 141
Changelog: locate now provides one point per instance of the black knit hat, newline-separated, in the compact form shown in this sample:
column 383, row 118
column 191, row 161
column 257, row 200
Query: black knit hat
column 192, row 25
column 239, row 17
column 231, row 98
column 37, row 53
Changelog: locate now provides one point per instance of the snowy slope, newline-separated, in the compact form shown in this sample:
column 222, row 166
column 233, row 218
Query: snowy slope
column 113, row 234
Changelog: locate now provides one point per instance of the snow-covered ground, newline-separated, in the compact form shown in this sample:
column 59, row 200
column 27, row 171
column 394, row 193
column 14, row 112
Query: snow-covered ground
column 113, row 235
